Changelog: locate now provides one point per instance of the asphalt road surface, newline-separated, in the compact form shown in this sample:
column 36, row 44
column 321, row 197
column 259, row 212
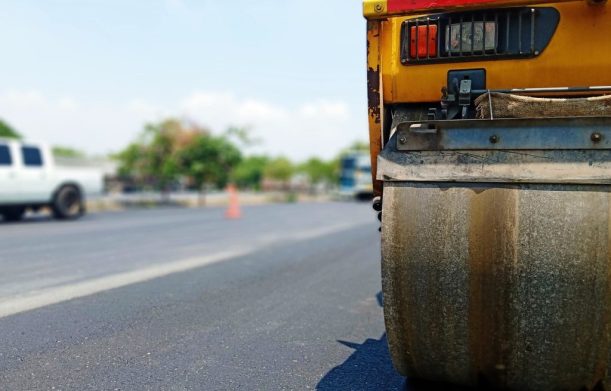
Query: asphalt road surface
column 288, row 297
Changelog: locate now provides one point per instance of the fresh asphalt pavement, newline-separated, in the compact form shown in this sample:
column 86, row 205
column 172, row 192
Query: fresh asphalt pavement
column 288, row 297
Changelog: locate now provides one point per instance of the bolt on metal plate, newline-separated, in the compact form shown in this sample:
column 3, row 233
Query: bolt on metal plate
column 506, row 134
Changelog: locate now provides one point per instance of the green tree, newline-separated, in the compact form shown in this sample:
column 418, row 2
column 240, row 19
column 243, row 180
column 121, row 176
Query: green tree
column 361, row 146
column 161, row 143
column 131, row 160
column 319, row 171
column 67, row 152
column 249, row 173
column 8, row 131
column 154, row 159
column 209, row 160
column 280, row 169
column 242, row 136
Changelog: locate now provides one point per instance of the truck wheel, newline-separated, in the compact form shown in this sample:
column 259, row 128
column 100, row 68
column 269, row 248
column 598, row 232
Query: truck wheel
column 505, row 286
column 68, row 203
column 13, row 214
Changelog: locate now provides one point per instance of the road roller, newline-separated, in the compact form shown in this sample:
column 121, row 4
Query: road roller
column 490, row 136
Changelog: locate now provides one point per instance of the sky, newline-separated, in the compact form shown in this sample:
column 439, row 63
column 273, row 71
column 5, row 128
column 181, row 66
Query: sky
column 90, row 73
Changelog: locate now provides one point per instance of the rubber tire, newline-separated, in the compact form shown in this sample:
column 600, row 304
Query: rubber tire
column 68, row 203
column 13, row 214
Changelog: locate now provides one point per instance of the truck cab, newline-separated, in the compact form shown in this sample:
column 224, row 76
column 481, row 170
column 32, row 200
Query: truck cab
column 355, row 176
column 31, row 179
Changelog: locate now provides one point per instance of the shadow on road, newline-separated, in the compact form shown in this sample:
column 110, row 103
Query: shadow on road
column 42, row 218
column 28, row 220
column 370, row 368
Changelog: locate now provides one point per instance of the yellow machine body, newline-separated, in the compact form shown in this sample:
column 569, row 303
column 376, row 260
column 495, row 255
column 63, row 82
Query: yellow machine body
column 579, row 54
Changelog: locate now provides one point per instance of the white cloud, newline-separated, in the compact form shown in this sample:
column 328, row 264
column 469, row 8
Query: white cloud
column 325, row 108
column 320, row 127
column 24, row 99
column 95, row 128
column 204, row 102
column 67, row 104
column 143, row 109
column 253, row 110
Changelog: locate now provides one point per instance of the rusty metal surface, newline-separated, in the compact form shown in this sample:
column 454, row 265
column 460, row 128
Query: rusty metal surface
column 537, row 166
column 374, row 98
column 504, row 285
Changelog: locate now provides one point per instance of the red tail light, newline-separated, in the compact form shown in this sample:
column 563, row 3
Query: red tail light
column 423, row 41
column 516, row 32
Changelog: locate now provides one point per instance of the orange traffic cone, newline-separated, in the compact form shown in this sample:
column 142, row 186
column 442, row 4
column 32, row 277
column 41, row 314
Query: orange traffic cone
column 233, row 212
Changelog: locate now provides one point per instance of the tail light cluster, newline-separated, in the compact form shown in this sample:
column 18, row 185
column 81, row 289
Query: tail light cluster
column 478, row 35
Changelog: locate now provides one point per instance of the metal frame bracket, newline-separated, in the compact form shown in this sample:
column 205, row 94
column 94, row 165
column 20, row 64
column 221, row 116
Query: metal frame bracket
column 578, row 133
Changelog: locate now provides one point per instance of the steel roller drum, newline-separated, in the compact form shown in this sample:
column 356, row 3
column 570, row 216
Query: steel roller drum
column 505, row 285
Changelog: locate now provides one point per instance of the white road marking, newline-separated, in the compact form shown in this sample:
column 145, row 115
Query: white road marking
column 34, row 300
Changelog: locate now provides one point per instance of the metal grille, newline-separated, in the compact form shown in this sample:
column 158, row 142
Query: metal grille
column 505, row 33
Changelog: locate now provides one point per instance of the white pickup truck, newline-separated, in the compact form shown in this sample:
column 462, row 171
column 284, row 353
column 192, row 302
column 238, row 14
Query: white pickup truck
column 30, row 178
